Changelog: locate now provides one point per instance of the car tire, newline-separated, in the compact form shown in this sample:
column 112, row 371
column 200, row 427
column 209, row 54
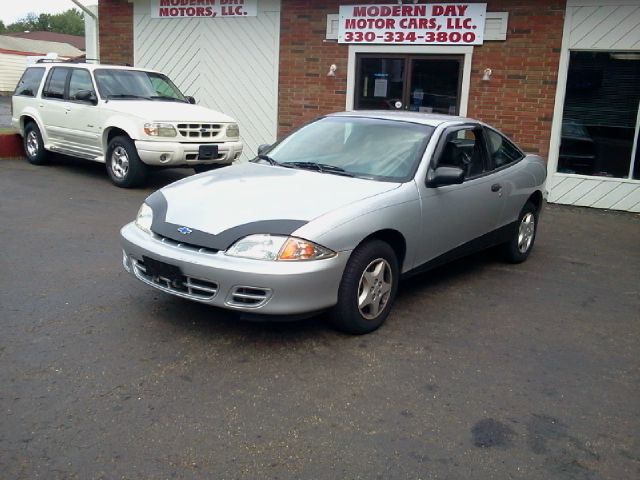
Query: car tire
column 124, row 166
column 34, row 145
column 367, row 289
column 519, row 247
column 208, row 168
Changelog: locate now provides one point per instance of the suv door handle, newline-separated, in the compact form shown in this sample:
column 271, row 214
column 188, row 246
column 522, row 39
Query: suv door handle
column 496, row 187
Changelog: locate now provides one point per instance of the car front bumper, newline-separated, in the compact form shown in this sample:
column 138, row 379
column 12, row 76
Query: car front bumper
column 184, row 154
column 261, row 287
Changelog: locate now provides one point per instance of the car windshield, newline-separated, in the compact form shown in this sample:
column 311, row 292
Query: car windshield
column 378, row 149
column 135, row 84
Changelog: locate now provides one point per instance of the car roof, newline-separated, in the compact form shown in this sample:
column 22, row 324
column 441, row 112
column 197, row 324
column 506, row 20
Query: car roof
column 431, row 119
column 89, row 66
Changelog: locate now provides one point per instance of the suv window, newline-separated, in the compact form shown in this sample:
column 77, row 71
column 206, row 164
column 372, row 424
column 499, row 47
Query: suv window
column 463, row 149
column 30, row 82
column 54, row 88
column 80, row 80
column 501, row 150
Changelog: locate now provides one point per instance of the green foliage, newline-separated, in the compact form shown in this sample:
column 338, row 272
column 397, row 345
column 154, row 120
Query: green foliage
column 2, row 27
column 70, row 21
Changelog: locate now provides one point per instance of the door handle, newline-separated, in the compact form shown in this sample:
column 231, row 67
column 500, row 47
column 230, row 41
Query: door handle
column 496, row 187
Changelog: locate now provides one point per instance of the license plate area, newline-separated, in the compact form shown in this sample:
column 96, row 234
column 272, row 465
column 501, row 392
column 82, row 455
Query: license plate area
column 207, row 152
column 160, row 270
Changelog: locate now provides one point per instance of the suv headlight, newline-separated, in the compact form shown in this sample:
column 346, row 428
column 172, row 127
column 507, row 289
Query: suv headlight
column 160, row 130
column 144, row 218
column 233, row 131
column 277, row 247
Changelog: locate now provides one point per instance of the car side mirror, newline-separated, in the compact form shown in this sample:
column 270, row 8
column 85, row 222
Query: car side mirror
column 86, row 96
column 442, row 176
column 263, row 148
column 191, row 100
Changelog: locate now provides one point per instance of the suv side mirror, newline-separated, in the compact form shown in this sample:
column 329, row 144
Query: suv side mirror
column 191, row 100
column 442, row 176
column 263, row 148
column 86, row 96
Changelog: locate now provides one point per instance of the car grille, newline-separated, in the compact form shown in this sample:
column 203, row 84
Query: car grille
column 199, row 130
column 183, row 245
column 190, row 287
column 248, row 297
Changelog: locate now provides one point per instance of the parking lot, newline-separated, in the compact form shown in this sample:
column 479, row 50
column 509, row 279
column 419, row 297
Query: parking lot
column 483, row 369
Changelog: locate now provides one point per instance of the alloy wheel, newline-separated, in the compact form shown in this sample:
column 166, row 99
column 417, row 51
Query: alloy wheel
column 374, row 288
column 32, row 144
column 526, row 231
column 119, row 162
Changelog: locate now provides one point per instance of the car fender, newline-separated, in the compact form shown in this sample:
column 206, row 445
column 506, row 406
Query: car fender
column 121, row 122
column 342, row 230
column 32, row 113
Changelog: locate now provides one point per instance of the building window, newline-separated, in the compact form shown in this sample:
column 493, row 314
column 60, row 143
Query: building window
column 600, row 120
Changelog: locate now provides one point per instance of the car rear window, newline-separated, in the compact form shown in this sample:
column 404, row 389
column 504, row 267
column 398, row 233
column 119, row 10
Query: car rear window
column 30, row 82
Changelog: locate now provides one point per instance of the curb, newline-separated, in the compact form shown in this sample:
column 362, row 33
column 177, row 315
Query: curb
column 11, row 146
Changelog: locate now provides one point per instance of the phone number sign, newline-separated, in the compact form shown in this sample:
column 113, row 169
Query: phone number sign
column 436, row 24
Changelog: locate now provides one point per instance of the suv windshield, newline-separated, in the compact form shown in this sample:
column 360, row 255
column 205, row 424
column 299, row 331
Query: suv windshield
column 134, row 84
column 372, row 148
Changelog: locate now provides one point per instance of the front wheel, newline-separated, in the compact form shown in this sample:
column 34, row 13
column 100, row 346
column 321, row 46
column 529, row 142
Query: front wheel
column 519, row 247
column 124, row 166
column 34, row 145
column 367, row 289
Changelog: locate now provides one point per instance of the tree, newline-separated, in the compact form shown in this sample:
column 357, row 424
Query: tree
column 70, row 21
column 2, row 27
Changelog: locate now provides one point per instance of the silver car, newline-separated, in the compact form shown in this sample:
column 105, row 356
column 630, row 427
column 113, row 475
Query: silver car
column 332, row 216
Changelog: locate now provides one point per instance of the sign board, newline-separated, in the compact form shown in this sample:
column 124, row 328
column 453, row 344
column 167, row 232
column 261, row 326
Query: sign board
column 413, row 24
column 203, row 8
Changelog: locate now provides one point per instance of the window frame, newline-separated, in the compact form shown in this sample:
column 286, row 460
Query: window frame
column 48, row 81
column 442, row 141
column 492, row 166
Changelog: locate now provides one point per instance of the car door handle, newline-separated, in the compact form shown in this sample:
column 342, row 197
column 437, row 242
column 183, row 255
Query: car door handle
column 496, row 187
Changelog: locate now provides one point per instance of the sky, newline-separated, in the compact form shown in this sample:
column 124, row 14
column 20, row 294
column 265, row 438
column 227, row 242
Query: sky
column 12, row 10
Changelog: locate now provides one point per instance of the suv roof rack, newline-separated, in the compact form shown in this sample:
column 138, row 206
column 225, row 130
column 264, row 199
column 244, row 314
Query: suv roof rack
column 94, row 61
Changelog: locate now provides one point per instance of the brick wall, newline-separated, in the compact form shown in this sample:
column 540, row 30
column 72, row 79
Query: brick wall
column 519, row 99
column 116, row 31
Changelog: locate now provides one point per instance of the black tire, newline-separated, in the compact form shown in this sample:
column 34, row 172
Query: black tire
column 34, row 145
column 519, row 247
column 124, row 166
column 208, row 168
column 350, row 317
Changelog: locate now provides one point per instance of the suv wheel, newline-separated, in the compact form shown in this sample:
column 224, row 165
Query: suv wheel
column 34, row 145
column 124, row 166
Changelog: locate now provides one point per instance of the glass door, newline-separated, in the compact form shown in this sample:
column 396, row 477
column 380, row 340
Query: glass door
column 420, row 83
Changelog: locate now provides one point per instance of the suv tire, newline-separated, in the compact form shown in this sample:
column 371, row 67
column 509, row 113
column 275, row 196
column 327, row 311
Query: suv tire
column 34, row 145
column 124, row 166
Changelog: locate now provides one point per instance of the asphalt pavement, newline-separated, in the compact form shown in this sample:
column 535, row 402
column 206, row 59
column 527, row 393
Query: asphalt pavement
column 483, row 370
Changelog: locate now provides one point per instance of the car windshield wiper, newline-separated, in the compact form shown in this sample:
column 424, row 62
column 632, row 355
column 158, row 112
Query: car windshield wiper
column 321, row 167
column 168, row 99
column 127, row 96
column 269, row 160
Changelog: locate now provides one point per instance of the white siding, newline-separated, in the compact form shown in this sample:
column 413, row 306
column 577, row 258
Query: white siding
column 606, row 25
column 228, row 64
column 11, row 69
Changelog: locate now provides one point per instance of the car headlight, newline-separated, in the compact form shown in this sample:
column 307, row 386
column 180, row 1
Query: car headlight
column 160, row 130
column 277, row 247
column 144, row 218
column 233, row 131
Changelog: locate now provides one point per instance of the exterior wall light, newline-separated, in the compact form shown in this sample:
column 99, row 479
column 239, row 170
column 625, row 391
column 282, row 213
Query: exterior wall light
column 332, row 70
column 487, row 74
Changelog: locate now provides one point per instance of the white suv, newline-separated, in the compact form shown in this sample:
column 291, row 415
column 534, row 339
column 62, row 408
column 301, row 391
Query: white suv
column 128, row 118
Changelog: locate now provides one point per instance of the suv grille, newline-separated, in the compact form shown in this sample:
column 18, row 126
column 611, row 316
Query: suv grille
column 199, row 130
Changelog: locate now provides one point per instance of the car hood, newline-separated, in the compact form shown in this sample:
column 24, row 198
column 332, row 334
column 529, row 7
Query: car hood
column 222, row 206
column 162, row 111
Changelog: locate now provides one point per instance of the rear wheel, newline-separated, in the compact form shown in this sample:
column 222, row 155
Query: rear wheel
column 367, row 289
column 519, row 247
column 124, row 166
column 34, row 145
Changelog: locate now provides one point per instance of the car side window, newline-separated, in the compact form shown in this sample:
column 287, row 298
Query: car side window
column 501, row 150
column 54, row 88
column 80, row 80
column 30, row 82
column 463, row 149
